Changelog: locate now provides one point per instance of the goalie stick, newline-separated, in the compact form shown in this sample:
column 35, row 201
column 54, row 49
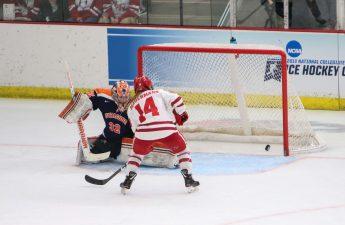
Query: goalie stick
column 84, row 142
column 95, row 181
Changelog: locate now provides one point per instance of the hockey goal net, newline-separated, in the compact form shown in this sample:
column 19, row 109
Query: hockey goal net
column 232, row 92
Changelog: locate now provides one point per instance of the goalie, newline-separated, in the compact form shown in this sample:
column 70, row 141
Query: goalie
column 115, row 142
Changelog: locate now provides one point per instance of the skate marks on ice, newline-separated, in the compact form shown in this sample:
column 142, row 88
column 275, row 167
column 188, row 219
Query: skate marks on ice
column 211, row 164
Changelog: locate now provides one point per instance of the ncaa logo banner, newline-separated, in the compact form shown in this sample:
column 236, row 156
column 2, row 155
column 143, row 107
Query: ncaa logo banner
column 313, row 61
column 294, row 49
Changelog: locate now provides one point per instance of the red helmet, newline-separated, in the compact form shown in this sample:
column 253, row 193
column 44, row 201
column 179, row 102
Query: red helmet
column 142, row 83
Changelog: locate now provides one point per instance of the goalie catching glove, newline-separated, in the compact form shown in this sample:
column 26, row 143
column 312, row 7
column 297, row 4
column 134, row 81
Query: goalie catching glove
column 79, row 107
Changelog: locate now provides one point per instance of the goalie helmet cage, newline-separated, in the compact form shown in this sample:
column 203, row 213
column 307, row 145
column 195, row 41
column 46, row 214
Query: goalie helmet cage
column 233, row 92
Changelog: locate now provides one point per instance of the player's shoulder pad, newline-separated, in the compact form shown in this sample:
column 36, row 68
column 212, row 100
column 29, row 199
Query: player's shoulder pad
column 104, row 91
column 161, row 90
column 165, row 92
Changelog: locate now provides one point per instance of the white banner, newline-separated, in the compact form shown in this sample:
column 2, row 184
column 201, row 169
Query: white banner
column 31, row 55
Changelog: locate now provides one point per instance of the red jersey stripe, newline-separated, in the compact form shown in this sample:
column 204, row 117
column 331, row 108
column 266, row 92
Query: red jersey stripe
column 175, row 101
column 155, row 129
column 185, row 160
column 136, row 157
column 156, row 123
column 134, row 163
column 180, row 105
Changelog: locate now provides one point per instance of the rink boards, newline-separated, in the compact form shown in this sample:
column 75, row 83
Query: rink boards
column 32, row 56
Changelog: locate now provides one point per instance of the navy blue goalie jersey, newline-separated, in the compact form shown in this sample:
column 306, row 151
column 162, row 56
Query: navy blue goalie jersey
column 117, row 124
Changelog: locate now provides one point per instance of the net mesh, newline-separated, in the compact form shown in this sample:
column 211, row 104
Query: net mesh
column 229, row 93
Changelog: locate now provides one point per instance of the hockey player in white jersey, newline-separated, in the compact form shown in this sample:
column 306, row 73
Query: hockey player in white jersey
column 153, row 114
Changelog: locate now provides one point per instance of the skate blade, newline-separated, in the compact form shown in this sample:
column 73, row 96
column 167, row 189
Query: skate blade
column 124, row 191
column 192, row 189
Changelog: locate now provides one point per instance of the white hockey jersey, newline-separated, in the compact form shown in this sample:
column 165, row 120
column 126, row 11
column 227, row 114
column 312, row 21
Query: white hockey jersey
column 151, row 114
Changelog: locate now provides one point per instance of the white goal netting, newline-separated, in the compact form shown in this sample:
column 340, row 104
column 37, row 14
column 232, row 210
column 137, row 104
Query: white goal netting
column 232, row 92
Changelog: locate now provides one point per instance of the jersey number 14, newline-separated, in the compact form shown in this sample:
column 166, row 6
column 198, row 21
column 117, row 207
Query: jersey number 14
column 149, row 107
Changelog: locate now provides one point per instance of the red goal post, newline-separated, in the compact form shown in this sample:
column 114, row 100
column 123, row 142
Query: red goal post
column 163, row 62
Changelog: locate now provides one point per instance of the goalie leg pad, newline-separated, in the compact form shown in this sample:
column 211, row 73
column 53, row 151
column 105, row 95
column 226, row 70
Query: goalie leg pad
column 177, row 143
column 160, row 156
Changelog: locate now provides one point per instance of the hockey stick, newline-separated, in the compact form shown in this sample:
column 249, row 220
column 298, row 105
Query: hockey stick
column 84, row 142
column 89, row 156
column 95, row 181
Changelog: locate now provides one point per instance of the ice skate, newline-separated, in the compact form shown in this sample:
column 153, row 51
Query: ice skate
column 189, row 182
column 126, row 185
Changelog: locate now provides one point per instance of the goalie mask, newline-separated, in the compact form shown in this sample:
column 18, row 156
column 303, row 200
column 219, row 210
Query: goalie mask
column 120, row 93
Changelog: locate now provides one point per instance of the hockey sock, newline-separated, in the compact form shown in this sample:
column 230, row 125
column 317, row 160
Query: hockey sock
column 184, row 160
column 133, row 162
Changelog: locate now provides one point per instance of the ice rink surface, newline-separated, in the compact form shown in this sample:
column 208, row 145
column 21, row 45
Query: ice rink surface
column 40, row 185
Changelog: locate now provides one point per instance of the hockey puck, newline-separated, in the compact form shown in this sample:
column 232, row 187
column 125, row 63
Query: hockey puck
column 267, row 148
